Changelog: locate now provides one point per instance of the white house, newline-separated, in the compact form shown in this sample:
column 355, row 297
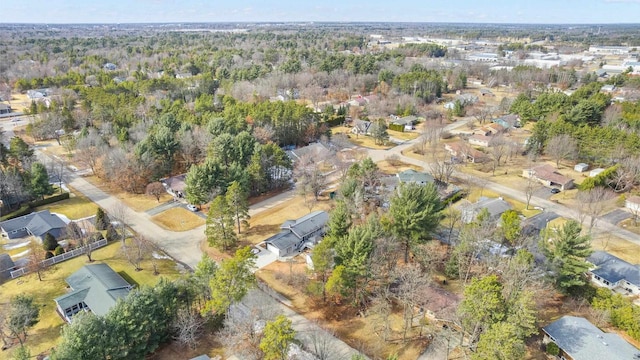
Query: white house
column 614, row 273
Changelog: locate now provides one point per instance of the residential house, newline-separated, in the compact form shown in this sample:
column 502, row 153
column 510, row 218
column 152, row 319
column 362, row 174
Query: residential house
column 109, row 66
column 548, row 176
column 175, row 185
column 201, row 357
column 5, row 109
column 357, row 101
column 438, row 304
column 614, row 273
column 296, row 234
column 463, row 152
column 406, row 121
column 94, row 288
column 578, row 339
column 480, row 140
column 36, row 94
column 581, row 167
column 633, row 204
column 416, row 177
column 6, row 266
column 361, row 127
column 496, row 206
column 507, row 121
column 316, row 151
column 486, row 92
column 35, row 224
column 184, row 75
column 608, row 88
column 489, row 129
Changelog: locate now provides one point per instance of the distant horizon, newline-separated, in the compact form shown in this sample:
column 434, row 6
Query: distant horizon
column 314, row 22
column 539, row 12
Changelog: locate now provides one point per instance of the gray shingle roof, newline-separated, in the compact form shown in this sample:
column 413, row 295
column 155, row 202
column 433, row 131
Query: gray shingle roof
column 308, row 223
column 97, row 285
column 614, row 269
column 411, row 175
column 584, row 341
column 38, row 223
column 283, row 240
column 293, row 231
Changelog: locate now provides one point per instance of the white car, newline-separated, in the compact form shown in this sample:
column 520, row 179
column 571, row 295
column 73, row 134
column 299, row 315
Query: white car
column 192, row 207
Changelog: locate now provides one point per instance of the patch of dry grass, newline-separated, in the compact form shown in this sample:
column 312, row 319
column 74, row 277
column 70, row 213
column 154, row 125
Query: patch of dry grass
column 178, row 219
column 392, row 167
column 360, row 140
column 621, row 248
column 406, row 135
column 137, row 202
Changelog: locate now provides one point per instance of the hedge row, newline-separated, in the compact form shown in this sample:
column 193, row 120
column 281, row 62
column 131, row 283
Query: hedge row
column 396, row 127
column 28, row 208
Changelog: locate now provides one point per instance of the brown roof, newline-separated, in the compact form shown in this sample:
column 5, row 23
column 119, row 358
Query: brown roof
column 548, row 172
column 176, row 183
column 461, row 148
column 440, row 302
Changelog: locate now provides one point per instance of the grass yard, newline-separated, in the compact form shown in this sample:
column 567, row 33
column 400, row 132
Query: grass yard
column 178, row 219
column 361, row 140
column 76, row 207
column 137, row 202
column 406, row 135
column 476, row 193
column 621, row 248
column 392, row 167
column 45, row 334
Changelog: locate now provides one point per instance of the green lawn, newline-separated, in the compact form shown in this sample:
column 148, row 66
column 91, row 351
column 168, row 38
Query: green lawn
column 76, row 207
column 44, row 335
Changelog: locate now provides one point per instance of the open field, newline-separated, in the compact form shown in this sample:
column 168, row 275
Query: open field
column 76, row 207
column 137, row 202
column 178, row 219
column 44, row 335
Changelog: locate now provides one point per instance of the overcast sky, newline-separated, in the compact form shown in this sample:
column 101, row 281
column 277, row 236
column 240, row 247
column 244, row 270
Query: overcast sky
column 478, row 11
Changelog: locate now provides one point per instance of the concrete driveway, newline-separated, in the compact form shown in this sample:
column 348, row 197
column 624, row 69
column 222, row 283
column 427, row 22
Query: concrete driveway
column 264, row 257
column 616, row 216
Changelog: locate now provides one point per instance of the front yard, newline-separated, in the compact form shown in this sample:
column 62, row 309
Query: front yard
column 178, row 219
column 45, row 334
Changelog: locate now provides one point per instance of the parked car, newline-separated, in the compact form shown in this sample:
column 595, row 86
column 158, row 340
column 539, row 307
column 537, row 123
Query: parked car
column 555, row 190
column 192, row 207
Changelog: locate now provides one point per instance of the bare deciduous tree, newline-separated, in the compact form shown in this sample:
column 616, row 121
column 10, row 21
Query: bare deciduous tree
column 155, row 189
column 498, row 148
column 89, row 149
column 187, row 327
column 562, row 147
column 592, row 204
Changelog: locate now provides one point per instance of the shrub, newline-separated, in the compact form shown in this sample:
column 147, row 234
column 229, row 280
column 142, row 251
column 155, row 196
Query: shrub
column 58, row 251
column 49, row 243
column 553, row 349
column 102, row 219
column 48, row 255
column 112, row 234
